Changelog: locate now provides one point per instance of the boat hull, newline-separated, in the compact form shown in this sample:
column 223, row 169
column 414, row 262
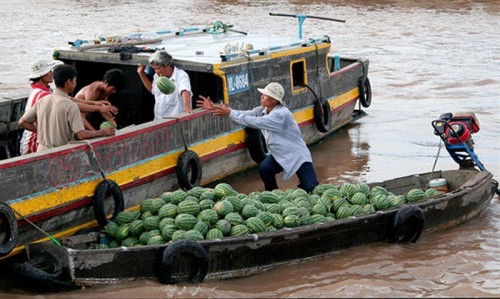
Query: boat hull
column 231, row 257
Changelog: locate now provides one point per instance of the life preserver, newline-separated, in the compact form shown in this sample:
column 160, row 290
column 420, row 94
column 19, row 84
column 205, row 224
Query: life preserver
column 408, row 224
column 8, row 227
column 45, row 270
column 365, row 92
column 322, row 115
column 105, row 187
column 172, row 253
column 189, row 170
column 256, row 144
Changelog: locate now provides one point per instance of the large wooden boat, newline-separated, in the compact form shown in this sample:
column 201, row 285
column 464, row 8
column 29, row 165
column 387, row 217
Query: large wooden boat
column 62, row 190
column 467, row 196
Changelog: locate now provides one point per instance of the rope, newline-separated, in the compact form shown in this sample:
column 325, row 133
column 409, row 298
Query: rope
column 177, row 121
column 31, row 223
column 93, row 155
column 317, row 70
column 435, row 162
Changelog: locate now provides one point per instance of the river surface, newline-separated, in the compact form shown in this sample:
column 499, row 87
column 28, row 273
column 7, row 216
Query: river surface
column 426, row 58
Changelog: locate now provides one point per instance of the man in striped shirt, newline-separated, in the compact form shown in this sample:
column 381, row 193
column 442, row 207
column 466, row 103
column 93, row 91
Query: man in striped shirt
column 40, row 77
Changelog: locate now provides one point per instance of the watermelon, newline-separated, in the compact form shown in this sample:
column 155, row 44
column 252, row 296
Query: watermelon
column 291, row 220
column 319, row 209
column 235, row 201
column 131, row 242
column 194, row 235
column 431, row 193
column 167, row 231
column 178, row 235
column 127, row 217
column 239, row 230
column 136, row 227
column 223, row 208
column 188, row 206
column 209, row 216
column 255, row 225
column 318, row 218
column 151, row 223
column 249, row 211
column 165, row 85
column 111, row 228
column 122, row 232
column 343, row 211
column 206, row 204
column 168, row 210
column 321, row 188
column 214, row 234
column 202, row 227
column 185, row 221
column 359, row 198
column 156, row 240
column 224, row 226
column 234, row 218
column 348, row 190
column 277, row 221
column 415, row 195
column 166, row 221
column 268, row 197
column 107, row 124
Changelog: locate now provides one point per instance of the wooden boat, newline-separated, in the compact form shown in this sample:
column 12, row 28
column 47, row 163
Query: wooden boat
column 468, row 196
column 64, row 189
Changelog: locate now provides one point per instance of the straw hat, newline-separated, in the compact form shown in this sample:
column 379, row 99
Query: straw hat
column 41, row 67
column 273, row 90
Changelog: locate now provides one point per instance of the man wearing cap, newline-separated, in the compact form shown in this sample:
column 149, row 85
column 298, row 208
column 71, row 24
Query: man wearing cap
column 288, row 151
column 57, row 117
column 40, row 77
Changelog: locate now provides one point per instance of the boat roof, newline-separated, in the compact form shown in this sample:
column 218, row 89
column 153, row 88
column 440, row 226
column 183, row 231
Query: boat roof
column 195, row 45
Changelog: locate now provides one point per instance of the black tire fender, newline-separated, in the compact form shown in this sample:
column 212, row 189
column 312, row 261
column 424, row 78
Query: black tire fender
column 365, row 92
column 256, row 144
column 107, row 187
column 408, row 224
column 189, row 170
column 45, row 270
column 8, row 230
column 322, row 115
column 172, row 253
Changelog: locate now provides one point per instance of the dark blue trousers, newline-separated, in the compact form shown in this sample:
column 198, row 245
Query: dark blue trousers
column 268, row 169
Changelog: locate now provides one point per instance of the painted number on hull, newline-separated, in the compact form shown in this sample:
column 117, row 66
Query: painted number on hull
column 237, row 82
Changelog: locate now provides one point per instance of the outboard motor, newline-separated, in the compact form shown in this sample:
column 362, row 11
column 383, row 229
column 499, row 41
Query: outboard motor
column 456, row 131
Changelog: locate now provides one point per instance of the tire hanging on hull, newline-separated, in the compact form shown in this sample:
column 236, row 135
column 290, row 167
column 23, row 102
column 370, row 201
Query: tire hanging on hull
column 189, row 170
column 105, row 187
column 8, row 229
column 408, row 224
column 256, row 144
column 169, row 274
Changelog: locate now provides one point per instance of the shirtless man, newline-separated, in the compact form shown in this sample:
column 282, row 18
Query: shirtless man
column 98, row 93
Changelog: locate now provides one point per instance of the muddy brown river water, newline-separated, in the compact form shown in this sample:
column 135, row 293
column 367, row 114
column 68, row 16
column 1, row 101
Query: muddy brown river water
column 426, row 58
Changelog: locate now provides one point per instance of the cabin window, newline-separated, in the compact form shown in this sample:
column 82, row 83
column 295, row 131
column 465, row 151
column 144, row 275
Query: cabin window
column 299, row 75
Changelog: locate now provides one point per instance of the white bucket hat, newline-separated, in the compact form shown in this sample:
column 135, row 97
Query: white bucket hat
column 273, row 90
column 41, row 67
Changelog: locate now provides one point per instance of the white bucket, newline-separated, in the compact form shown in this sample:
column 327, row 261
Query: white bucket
column 439, row 185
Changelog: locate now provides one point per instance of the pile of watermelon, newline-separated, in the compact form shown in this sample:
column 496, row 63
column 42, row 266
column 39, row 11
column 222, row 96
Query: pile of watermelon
column 209, row 214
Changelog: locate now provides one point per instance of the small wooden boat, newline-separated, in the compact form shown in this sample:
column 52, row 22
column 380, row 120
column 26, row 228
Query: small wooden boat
column 468, row 195
column 73, row 187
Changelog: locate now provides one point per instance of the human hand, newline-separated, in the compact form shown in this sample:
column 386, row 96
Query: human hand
column 221, row 110
column 108, row 109
column 205, row 103
column 140, row 68
column 109, row 131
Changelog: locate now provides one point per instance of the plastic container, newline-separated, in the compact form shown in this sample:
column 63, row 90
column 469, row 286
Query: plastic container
column 439, row 185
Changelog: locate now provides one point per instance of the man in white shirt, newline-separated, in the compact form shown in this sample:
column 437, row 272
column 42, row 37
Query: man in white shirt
column 176, row 102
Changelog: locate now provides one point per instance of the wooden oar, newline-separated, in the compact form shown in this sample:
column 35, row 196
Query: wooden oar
column 129, row 43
